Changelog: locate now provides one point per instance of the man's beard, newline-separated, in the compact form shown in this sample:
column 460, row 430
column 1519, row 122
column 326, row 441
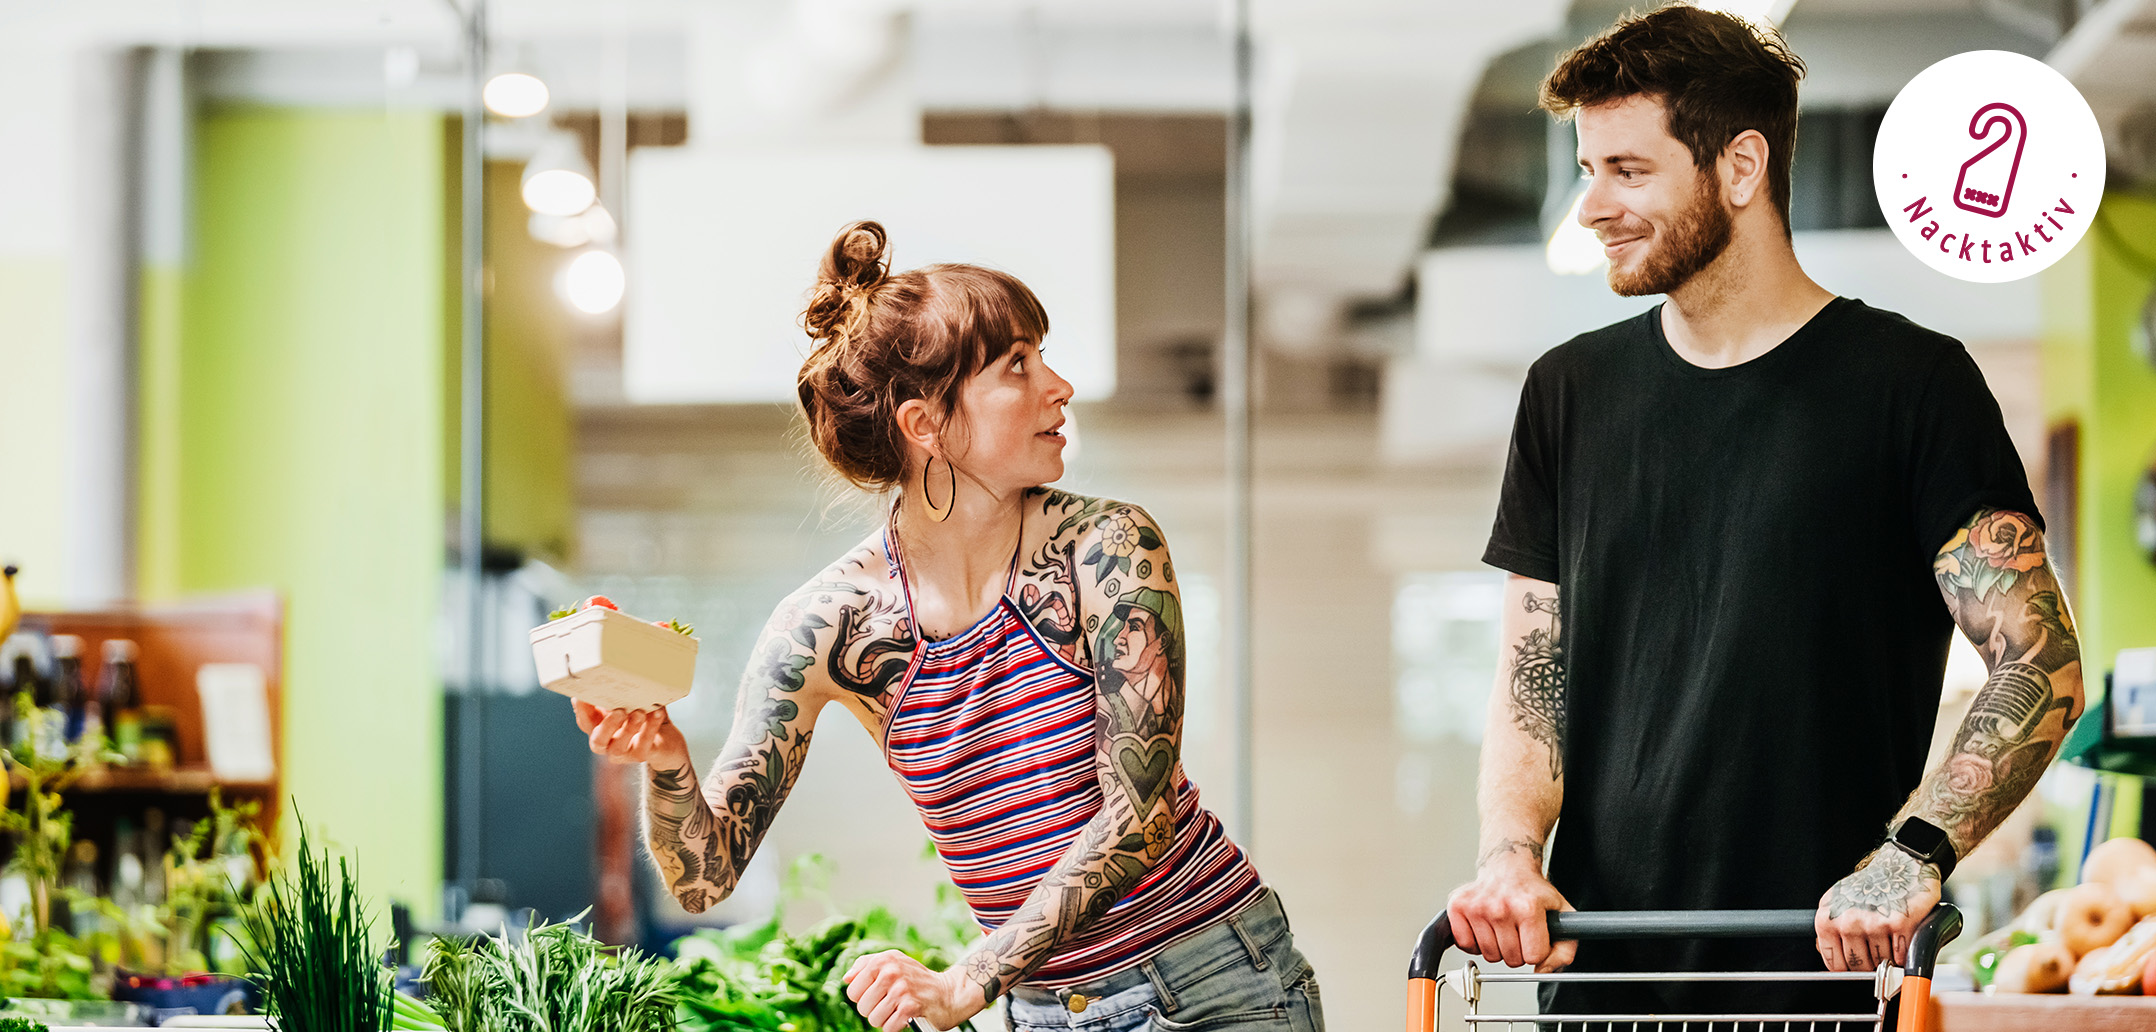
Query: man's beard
column 1695, row 238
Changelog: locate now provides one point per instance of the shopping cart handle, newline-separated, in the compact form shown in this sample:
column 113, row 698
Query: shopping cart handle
column 1936, row 931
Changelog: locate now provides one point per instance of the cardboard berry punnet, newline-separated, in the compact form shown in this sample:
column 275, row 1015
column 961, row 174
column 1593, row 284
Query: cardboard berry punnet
column 612, row 660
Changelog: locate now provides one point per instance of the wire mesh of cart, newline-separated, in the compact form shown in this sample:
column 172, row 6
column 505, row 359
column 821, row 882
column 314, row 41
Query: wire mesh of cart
column 1909, row 984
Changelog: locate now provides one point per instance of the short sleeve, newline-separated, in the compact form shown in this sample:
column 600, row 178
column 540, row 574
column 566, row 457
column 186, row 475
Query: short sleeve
column 1961, row 459
column 1524, row 539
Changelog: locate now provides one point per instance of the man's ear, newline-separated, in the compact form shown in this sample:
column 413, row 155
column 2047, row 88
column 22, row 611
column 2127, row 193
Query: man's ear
column 1743, row 169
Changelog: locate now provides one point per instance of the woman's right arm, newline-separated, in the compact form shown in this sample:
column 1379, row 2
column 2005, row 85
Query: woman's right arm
column 703, row 840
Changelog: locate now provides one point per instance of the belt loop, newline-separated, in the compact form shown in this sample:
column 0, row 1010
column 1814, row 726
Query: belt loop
column 1257, row 956
column 1168, row 1002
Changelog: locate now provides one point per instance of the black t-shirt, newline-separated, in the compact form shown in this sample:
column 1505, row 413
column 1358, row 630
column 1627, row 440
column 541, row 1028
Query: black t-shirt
column 1754, row 640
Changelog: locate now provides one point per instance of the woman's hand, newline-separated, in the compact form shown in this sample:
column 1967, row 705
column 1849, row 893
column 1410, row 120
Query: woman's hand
column 891, row 989
column 633, row 736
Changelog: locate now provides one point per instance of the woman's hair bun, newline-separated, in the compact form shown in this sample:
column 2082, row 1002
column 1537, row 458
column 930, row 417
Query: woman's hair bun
column 859, row 255
column 854, row 266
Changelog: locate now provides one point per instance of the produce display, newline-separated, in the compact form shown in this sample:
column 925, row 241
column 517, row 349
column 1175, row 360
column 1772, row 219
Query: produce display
column 760, row 979
column 2096, row 938
column 553, row 978
column 313, row 952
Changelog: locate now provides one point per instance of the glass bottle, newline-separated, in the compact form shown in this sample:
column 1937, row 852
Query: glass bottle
column 63, row 697
column 120, row 694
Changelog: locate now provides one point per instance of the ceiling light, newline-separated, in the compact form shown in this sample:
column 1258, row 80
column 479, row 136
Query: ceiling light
column 1574, row 250
column 515, row 95
column 557, row 180
column 594, row 226
column 593, row 282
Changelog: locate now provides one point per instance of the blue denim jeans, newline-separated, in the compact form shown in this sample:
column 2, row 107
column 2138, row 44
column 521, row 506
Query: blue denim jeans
column 1240, row 974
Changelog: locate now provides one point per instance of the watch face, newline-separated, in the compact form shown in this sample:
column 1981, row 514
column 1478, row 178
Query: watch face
column 1920, row 836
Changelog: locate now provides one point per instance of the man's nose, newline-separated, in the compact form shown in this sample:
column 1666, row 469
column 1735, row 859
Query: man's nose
column 1596, row 205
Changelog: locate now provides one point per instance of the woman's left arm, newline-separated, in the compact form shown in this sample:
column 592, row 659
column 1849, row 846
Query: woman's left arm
column 1132, row 609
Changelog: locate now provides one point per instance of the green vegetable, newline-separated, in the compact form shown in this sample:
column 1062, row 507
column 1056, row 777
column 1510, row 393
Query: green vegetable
column 556, row 979
column 312, row 951
column 559, row 613
column 410, row 1015
column 22, row 1025
column 757, row 978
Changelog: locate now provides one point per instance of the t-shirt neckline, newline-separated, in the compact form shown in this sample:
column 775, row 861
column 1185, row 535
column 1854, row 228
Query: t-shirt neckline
column 1811, row 328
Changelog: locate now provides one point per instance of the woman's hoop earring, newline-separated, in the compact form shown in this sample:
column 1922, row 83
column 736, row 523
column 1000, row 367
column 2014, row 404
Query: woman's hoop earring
column 949, row 503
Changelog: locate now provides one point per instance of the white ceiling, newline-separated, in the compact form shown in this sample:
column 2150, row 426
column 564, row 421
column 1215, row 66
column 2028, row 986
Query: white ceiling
column 1359, row 102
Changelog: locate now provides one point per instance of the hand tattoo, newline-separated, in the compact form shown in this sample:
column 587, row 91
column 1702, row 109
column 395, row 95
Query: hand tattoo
column 1890, row 882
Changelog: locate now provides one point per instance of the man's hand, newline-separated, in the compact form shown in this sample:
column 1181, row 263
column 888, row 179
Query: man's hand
column 1504, row 913
column 891, row 989
column 1866, row 919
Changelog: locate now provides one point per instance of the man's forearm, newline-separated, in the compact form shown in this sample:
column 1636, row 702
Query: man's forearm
column 2002, row 747
column 2003, row 593
column 1522, row 785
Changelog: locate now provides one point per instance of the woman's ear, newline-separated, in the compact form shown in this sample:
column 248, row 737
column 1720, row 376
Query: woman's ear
column 920, row 426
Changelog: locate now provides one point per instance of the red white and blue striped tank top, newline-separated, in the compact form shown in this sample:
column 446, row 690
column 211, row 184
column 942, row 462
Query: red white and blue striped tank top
column 991, row 734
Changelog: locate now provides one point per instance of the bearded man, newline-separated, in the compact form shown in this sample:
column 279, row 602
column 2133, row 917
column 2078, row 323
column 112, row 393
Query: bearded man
column 1740, row 530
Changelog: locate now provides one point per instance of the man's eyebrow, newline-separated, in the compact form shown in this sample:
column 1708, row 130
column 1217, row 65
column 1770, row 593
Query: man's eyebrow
column 1619, row 159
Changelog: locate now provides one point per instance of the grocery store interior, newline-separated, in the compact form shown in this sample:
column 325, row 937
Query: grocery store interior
column 343, row 340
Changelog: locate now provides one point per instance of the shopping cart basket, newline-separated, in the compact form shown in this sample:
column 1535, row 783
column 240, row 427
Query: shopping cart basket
column 1912, row 982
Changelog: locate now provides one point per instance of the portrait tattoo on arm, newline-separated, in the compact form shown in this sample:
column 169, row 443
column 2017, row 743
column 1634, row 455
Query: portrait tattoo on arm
column 2008, row 602
column 1537, row 683
column 1138, row 724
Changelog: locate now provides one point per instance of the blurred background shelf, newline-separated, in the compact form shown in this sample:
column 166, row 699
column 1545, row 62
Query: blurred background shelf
column 179, row 781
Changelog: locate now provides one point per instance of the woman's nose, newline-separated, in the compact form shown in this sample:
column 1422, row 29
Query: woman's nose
column 1059, row 389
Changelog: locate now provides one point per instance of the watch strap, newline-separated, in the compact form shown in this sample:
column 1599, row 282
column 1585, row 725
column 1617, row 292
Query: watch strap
column 1942, row 856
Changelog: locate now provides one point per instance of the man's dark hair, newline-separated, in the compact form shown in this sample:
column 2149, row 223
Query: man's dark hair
column 1716, row 75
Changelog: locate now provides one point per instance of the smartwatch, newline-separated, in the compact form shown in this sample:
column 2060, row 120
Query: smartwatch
column 1925, row 841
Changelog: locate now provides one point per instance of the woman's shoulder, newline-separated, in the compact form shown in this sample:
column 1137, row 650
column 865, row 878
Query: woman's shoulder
column 864, row 579
column 1072, row 518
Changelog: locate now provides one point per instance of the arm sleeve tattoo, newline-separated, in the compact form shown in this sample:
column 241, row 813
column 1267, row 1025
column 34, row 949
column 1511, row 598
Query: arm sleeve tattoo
column 702, row 840
column 1536, row 681
column 1133, row 613
column 2007, row 600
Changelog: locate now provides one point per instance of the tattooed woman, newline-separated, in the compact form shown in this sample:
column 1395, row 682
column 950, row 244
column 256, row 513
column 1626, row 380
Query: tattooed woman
column 1019, row 654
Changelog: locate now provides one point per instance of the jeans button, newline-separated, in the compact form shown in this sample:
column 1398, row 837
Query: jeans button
column 1078, row 1003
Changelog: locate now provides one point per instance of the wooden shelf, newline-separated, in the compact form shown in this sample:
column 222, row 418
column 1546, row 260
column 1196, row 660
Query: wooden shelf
column 181, row 781
column 176, row 639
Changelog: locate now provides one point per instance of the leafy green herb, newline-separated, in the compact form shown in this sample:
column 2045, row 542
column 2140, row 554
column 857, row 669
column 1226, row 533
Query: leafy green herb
column 678, row 627
column 555, row 979
column 757, row 978
column 312, row 952
column 559, row 613
column 22, row 1025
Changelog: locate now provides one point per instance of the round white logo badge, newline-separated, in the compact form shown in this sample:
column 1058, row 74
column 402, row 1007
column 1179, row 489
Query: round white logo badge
column 1989, row 166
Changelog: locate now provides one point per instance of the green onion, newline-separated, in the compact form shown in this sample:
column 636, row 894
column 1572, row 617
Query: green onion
column 310, row 948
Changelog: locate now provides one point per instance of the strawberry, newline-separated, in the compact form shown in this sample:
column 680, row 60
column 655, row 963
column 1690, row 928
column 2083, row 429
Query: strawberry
column 601, row 601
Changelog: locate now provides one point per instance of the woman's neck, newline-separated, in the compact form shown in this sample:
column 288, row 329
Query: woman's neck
column 971, row 546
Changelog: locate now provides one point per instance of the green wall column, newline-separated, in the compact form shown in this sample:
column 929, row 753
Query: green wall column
column 300, row 409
